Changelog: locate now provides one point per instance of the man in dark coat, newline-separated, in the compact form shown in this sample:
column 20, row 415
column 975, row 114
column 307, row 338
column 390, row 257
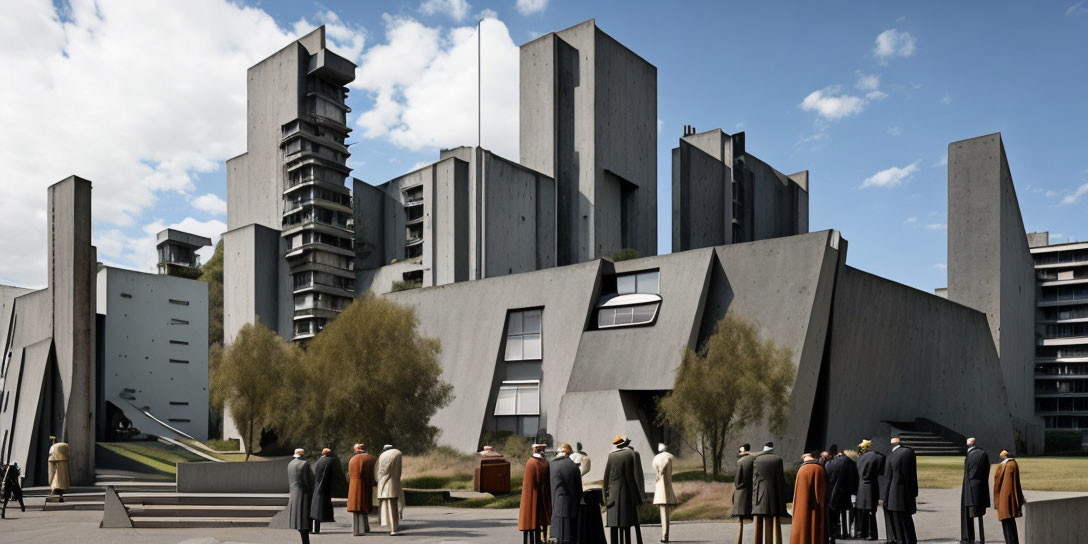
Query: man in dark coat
column 742, row 490
column 10, row 490
column 902, row 501
column 976, row 494
column 324, row 473
column 622, row 493
column 300, row 481
column 842, row 484
column 769, row 502
column 870, row 469
column 566, row 496
column 360, row 490
column 535, row 512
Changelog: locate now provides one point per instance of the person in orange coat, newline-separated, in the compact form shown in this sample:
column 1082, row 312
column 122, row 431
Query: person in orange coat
column 536, row 498
column 1008, row 496
column 361, row 489
column 809, row 503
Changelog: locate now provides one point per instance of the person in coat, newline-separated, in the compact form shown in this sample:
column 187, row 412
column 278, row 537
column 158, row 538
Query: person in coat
column 810, row 502
column 10, row 490
column 870, row 469
column 622, row 491
column 581, row 458
column 300, row 481
column 360, row 489
column 852, row 521
column 664, row 496
column 566, row 484
column 535, row 512
column 321, row 503
column 769, row 500
column 742, row 489
column 1008, row 496
column 842, row 483
column 975, row 498
column 390, row 493
column 902, row 498
column 59, row 481
column 640, row 477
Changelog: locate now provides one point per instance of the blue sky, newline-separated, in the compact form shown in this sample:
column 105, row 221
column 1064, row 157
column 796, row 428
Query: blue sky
column 866, row 97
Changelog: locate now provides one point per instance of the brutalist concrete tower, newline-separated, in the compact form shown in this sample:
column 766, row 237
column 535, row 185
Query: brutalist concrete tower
column 589, row 120
column 289, row 210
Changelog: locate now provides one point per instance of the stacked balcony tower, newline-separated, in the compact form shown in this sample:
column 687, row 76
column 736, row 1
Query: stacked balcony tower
column 289, row 209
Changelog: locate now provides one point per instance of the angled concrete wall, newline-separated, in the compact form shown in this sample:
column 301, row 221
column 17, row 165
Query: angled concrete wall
column 251, row 257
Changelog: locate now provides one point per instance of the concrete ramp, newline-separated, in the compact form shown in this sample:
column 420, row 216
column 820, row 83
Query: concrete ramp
column 148, row 423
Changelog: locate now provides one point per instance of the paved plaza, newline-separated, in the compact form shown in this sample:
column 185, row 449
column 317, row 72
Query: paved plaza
column 937, row 521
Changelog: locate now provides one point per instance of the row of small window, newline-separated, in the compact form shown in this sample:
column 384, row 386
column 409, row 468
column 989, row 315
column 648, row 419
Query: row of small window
column 1061, row 352
column 174, row 301
column 1044, row 387
column 1075, row 404
column 1065, row 292
column 1067, row 330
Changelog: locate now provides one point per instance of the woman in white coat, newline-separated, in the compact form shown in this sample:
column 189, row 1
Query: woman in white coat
column 664, row 497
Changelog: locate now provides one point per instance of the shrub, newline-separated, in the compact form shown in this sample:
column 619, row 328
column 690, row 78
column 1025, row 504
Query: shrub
column 406, row 285
column 1060, row 442
column 624, row 255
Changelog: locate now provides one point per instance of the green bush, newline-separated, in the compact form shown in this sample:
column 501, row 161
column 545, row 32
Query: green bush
column 624, row 255
column 219, row 444
column 406, row 285
column 1062, row 442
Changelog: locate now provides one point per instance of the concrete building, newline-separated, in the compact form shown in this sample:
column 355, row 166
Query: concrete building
column 721, row 194
column 152, row 355
column 49, row 351
column 1061, row 329
column 588, row 115
column 291, row 180
column 470, row 215
column 178, row 253
column 990, row 267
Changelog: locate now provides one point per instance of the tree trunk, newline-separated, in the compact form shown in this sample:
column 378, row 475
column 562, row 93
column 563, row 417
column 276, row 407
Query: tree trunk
column 249, row 440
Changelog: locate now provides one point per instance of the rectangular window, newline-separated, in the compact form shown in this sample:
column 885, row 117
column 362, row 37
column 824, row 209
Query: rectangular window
column 648, row 282
column 126, row 295
column 523, row 336
column 172, row 420
column 179, row 342
column 179, row 361
column 178, row 403
column 176, row 321
column 179, row 302
column 518, row 398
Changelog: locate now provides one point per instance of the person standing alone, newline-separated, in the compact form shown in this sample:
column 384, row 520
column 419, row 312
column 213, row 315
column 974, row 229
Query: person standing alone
column 974, row 498
column 664, row 496
column 360, row 490
column 300, row 482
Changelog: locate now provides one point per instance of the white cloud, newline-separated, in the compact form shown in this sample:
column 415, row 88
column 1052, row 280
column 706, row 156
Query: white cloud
column 455, row 9
column 1074, row 196
column 911, row 220
column 940, row 266
column 832, row 104
column 660, row 124
column 344, row 38
column 943, row 161
column 895, row 131
column 870, row 83
column 1076, row 9
column 424, row 85
column 937, row 226
column 1051, row 194
column 487, row 14
column 526, row 7
column 946, row 99
column 893, row 43
column 890, row 177
column 210, row 203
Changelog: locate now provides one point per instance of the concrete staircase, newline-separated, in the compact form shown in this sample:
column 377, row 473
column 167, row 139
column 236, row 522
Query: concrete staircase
column 201, row 510
column 931, row 444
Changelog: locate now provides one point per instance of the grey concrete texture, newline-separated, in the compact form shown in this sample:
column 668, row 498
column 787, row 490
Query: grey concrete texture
column 255, row 477
column 1056, row 519
column 990, row 266
column 251, row 261
column 937, row 522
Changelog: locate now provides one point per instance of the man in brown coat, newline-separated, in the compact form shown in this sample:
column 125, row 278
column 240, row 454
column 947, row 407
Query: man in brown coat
column 536, row 498
column 1008, row 496
column 360, row 490
column 809, row 503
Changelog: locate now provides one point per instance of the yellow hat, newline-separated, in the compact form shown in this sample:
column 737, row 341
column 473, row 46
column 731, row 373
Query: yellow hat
column 619, row 439
column 866, row 444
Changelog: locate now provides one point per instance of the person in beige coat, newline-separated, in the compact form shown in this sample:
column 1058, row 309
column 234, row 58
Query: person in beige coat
column 664, row 497
column 58, row 468
column 390, row 493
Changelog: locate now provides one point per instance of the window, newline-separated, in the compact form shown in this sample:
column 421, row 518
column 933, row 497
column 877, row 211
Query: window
column 172, row 420
column 176, row 321
column 523, row 338
column 179, row 342
column 178, row 403
column 126, row 295
column 518, row 398
column 639, row 282
column 629, row 299
column 179, row 302
column 179, row 361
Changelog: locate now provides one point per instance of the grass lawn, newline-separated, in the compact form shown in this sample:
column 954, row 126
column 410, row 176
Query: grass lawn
column 156, row 456
column 1036, row 473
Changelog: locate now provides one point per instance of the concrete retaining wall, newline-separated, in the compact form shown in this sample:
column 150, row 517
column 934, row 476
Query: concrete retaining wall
column 254, row 477
column 1058, row 520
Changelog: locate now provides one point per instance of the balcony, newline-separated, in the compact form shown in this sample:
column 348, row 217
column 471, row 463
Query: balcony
column 331, row 67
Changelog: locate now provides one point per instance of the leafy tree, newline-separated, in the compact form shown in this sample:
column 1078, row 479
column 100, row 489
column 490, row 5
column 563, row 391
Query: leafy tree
column 248, row 378
column 624, row 255
column 212, row 273
column 371, row 377
column 734, row 380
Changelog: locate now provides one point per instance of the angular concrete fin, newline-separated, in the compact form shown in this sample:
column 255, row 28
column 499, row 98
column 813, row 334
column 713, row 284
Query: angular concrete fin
column 114, row 513
column 279, row 521
column 800, row 178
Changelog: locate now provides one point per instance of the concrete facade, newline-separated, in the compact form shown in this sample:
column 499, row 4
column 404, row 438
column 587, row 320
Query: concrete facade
column 990, row 267
column 588, row 119
column 153, row 351
column 1061, row 329
column 178, row 253
column 721, row 194
column 49, row 351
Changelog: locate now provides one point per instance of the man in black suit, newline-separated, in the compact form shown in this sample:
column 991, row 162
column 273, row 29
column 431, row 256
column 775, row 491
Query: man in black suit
column 870, row 469
column 976, row 496
column 902, row 497
column 770, row 495
column 842, row 485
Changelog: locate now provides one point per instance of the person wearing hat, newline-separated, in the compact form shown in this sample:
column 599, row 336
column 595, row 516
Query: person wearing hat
column 321, row 504
column 742, row 490
column 390, row 493
column 870, row 468
column 1008, row 496
column 842, row 486
column 769, row 486
column 974, row 498
column 622, row 493
column 59, row 481
column 566, row 483
column 360, row 489
column 300, row 482
column 902, row 495
column 809, row 502
column 664, row 496
column 535, row 511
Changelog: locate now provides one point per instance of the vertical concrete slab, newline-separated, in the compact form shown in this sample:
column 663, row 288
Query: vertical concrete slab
column 114, row 513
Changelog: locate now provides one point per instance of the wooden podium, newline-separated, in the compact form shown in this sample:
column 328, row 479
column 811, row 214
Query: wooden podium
column 492, row 474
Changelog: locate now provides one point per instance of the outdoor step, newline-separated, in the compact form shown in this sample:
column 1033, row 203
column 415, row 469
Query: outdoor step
column 66, row 505
column 198, row 522
column 75, row 497
column 203, row 499
column 202, row 511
